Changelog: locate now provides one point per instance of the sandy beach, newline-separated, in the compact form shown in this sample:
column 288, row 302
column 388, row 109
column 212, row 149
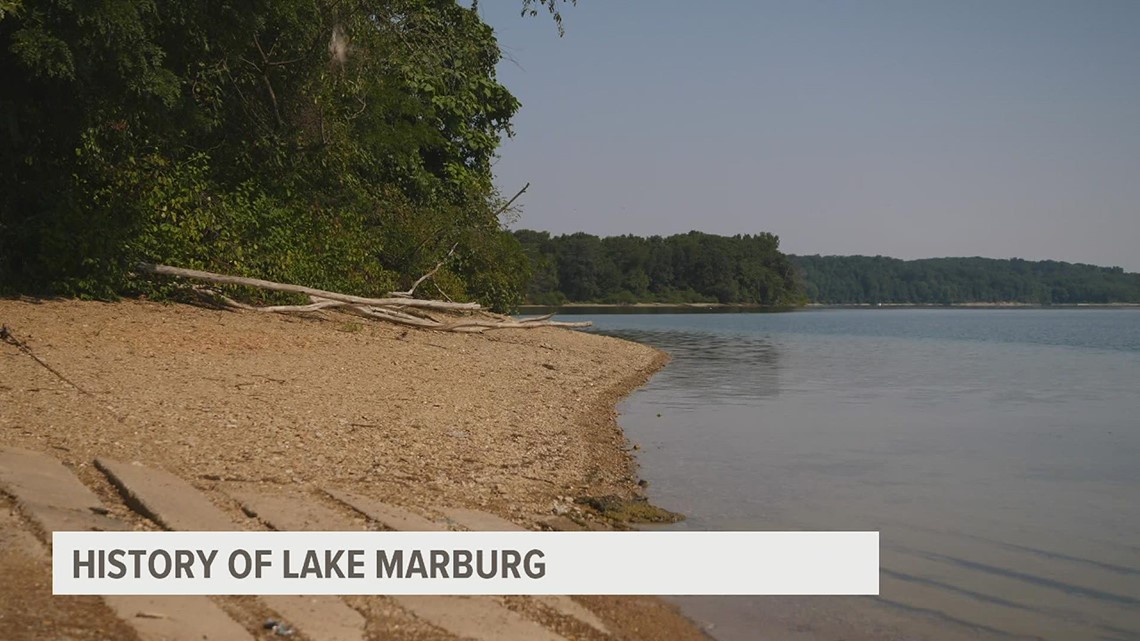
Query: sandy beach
column 516, row 423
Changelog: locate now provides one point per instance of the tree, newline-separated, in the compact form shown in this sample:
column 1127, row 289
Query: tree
column 531, row 8
column 342, row 146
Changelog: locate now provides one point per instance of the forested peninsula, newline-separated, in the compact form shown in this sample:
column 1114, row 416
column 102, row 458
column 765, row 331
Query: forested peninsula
column 750, row 270
column 685, row 268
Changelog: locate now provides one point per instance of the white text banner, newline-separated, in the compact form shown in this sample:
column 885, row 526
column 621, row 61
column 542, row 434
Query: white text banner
column 466, row 563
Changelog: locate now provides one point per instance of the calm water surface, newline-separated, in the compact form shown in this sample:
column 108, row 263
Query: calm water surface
column 997, row 452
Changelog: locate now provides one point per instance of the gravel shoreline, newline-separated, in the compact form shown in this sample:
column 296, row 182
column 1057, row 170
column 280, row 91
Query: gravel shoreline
column 516, row 422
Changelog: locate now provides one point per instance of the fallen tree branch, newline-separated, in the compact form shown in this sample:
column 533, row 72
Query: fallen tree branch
column 222, row 279
column 493, row 324
column 397, row 309
column 316, row 305
column 393, row 316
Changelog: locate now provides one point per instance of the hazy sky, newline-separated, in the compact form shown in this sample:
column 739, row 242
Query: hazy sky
column 908, row 128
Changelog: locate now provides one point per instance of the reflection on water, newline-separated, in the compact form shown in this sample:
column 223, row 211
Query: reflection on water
column 712, row 368
column 998, row 453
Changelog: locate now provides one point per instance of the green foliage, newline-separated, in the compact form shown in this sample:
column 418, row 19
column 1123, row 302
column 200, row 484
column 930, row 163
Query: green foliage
column 9, row 7
column 686, row 268
column 345, row 147
column 531, row 7
column 947, row 281
column 500, row 270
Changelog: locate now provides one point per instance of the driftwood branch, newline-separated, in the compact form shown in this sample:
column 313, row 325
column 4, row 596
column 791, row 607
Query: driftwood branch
column 398, row 309
column 222, row 279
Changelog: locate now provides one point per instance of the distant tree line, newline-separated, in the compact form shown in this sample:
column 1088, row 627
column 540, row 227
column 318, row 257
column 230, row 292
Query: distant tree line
column 948, row 281
column 685, row 268
column 750, row 270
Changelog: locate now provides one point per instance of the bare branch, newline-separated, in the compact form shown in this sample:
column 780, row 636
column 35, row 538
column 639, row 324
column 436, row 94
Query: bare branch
column 400, row 310
column 412, row 289
column 441, row 292
column 513, row 199
column 222, row 279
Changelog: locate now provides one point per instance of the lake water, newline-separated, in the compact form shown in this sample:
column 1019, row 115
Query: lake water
column 997, row 452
